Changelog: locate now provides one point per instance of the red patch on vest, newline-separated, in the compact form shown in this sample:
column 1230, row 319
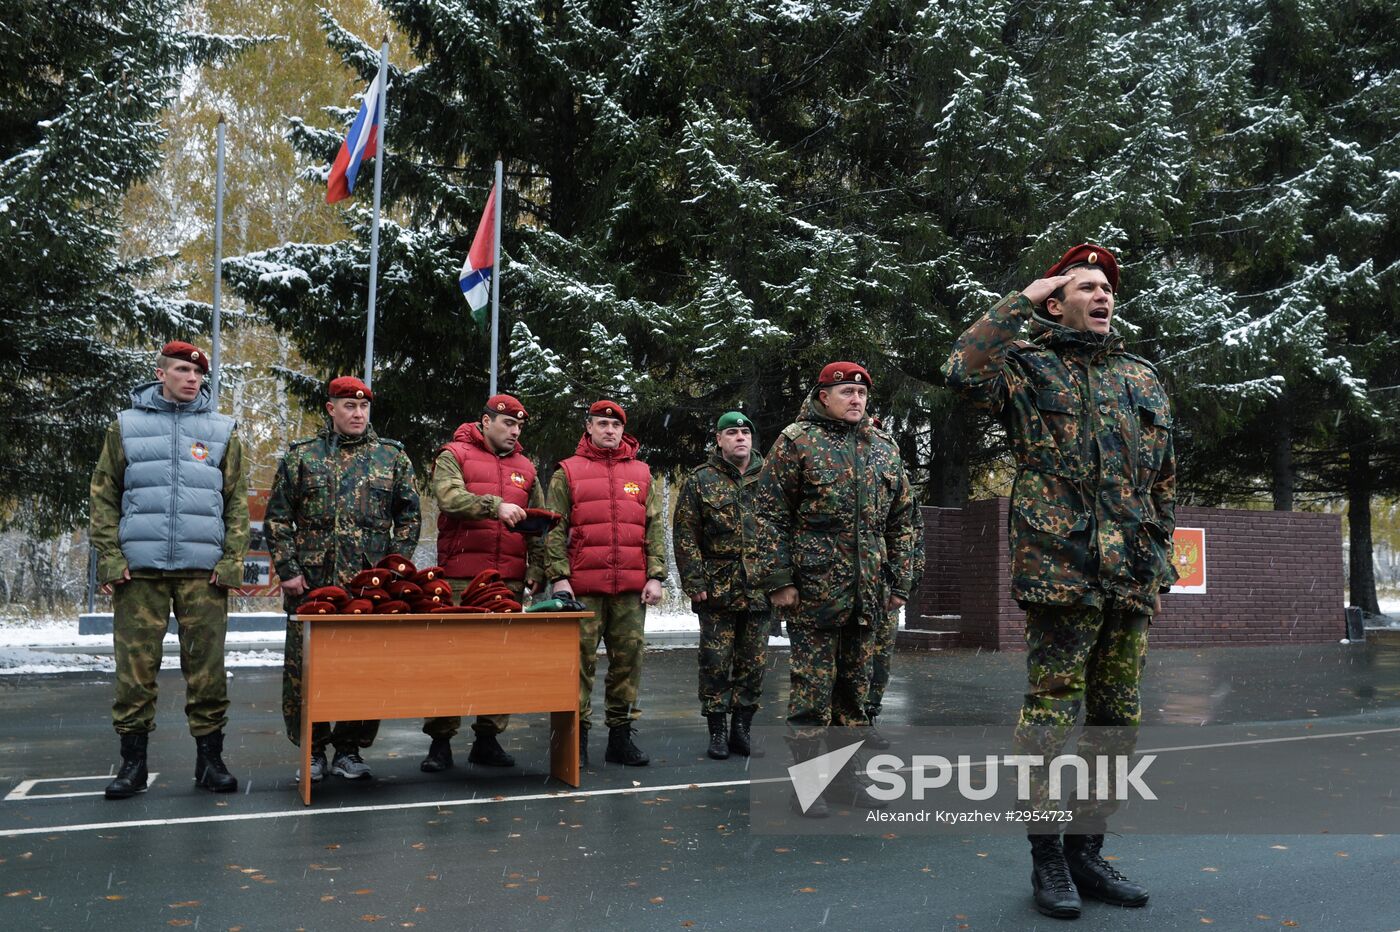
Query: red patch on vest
column 632, row 489
column 518, row 479
column 199, row 451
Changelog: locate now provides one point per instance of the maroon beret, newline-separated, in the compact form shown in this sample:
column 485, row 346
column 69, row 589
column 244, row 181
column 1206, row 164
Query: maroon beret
column 359, row 607
column 317, row 607
column 347, row 386
column 333, row 594
column 537, row 521
column 428, row 574
column 393, row 607
column 607, row 408
column 405, row 590
column 179, row 349
column 371, row 579
column 506, row 404
column 1087, row 254
column 400, row 566
column 843, row 373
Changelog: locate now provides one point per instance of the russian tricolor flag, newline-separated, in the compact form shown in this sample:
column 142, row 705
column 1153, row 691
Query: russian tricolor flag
column 475, row 277
column 359, row 144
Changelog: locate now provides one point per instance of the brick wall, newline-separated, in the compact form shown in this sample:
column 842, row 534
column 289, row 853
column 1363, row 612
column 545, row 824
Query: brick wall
column 1272, row 578
column 940, row 591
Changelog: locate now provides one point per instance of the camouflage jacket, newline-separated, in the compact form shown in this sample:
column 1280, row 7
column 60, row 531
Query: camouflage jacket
column 833, row 513
column 716, row 535
column 339, row 505
column 1093, row 503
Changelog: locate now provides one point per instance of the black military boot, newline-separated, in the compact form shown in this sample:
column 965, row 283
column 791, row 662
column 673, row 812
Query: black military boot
column 739, row 740
column 1097, row 878
column 851, row 786
column 583, row 747
column 209, row 770
column 873, row 738
column 487, row 751
column 621, row 750
column 131, row 778
column 719, row 736
column 439, row 756
column 1055, row 893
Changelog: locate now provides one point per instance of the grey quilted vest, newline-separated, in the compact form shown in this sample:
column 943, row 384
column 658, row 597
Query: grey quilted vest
column 173, row 491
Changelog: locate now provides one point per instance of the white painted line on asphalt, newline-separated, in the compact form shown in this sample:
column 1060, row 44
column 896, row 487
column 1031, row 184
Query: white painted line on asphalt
column 390, row 807
column 21, row 792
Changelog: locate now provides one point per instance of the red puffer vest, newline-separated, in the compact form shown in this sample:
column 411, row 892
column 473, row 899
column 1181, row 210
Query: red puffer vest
column 607, row 518
column 465, row 548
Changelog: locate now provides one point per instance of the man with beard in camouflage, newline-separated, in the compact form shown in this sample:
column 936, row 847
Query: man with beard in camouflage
column 835, row 554
column 341, row 502
column 1092, row 515
column 715, row 535
column 170, row 526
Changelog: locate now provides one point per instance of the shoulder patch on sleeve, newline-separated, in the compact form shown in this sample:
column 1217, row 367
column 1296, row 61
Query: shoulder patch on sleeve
column 391, row 443
column 793, row 431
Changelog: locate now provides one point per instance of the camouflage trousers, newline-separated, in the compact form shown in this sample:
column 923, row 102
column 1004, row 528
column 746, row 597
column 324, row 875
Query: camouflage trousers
column 446, row 726
column 830, row 675
column 619, row 621
column 881, row 663
column 141, row 614
column 345, row 736
column 733, row 651
column 1081, row 656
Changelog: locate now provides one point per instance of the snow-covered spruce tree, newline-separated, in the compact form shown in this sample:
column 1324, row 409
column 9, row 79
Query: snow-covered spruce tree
column 1047, row 127
column 82, row 87
column 688, row 224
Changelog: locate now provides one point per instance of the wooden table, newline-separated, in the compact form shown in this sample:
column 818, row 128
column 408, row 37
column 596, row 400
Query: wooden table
column 366, row 667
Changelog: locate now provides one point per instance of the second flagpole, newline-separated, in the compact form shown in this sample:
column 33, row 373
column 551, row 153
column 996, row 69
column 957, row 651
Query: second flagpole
column 496, row 281
column 374, row 229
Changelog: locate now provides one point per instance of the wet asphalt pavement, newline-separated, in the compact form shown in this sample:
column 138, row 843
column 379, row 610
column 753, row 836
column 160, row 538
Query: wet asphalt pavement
column 661, row 847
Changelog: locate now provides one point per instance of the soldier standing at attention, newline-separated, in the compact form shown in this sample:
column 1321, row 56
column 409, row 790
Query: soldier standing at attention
column 609, row 552
column 1092, row 514
column 835, row 552
column 715, row 535
column 170, row 526
column 342, row 501
column 483, row 482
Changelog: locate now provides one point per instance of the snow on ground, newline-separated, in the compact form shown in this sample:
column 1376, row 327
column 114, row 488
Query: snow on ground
column 23, row 643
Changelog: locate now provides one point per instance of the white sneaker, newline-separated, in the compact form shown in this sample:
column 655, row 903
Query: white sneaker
column 318, row 768
column 350, row 766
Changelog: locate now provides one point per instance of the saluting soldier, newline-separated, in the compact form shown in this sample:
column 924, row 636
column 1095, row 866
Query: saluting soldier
column 1092, row 515
column 716, row 536
column 169, row 502
column 341, row 502
column 609, row 552
column 483, row 482
column 835, row 553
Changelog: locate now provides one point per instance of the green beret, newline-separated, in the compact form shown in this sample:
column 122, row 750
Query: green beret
column 733, row 419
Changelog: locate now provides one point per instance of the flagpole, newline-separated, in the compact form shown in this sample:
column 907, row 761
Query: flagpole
column 374, row 229
column 218, row 253
column 496, row 281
